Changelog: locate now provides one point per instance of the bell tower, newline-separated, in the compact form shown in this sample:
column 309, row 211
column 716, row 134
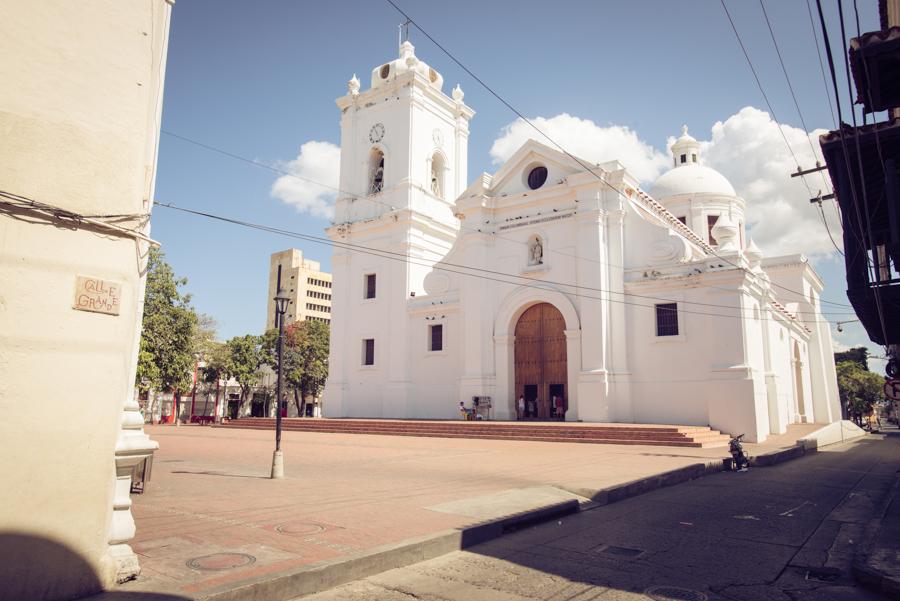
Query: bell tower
column 404, row 152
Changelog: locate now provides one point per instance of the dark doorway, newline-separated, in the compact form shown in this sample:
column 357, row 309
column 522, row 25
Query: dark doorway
column 558, row 401
column 530, row 393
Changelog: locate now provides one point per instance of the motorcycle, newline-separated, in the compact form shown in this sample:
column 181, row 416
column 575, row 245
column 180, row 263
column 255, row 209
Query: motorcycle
column 740, row 460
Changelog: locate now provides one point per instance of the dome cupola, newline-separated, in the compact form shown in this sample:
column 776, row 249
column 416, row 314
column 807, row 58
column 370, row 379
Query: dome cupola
column 686, row 149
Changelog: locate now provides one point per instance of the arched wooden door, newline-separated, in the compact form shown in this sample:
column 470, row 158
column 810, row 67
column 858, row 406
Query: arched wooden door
column 540, row 361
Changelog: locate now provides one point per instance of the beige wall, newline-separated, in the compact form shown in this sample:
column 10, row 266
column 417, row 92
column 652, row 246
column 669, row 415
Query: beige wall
column 79, row 122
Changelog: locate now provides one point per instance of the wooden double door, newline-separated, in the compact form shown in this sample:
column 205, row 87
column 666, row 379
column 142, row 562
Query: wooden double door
column 540, row 362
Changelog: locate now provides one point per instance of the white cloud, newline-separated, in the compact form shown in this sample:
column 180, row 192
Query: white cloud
column 584, row 139
column 749, row 150
column 317, row 162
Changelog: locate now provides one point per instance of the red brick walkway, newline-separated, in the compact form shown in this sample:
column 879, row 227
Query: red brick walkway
column 343, row 493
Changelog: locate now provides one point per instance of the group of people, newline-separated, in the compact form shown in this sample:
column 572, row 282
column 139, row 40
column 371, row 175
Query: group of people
column 536, row 408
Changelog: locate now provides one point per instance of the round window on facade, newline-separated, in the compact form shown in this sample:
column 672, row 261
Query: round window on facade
column 385, row 71
column 537, row 177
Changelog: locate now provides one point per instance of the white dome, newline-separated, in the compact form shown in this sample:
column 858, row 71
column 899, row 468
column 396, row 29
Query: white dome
column 691, row 179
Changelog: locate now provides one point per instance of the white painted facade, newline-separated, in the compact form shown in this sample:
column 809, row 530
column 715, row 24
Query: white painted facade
column 749, row 356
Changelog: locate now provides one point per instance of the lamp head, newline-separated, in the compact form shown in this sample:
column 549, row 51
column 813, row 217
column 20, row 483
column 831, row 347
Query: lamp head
column 281, row 302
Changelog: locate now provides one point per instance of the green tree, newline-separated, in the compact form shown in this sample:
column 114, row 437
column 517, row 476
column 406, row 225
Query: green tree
column 860, row 389
column 305, row 359
column 857, row 354
column 166, row 356
column 309, row 342
column 243, row 357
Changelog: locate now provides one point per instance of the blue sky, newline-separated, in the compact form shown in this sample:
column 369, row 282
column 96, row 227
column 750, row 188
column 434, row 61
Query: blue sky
column 259, row 80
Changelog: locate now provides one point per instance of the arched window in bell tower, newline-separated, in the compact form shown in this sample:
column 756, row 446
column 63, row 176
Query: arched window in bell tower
column 376, row 171
column 436, row 177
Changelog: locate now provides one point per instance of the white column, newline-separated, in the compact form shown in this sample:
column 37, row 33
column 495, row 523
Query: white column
column 504, row 360
column 574, row 369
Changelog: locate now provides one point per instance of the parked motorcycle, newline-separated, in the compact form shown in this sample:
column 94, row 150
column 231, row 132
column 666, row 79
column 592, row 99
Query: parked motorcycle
column 740, row 460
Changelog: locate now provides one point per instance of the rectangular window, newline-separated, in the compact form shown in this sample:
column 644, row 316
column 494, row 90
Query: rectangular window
column 667, row 319
column 368, row 348
column 694, row 157
column 710, row 224
column 370, row 285
column 683, row 159
column 437, row 337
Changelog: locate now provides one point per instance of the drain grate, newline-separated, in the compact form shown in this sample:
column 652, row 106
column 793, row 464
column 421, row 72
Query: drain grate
column 220, row 561
column 823, row 574
column 674, row 593
column 620, row 551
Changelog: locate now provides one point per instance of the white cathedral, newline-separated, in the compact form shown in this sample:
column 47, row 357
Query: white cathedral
column 557, row 280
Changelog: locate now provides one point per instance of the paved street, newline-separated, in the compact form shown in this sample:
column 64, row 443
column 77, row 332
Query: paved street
column 783, row 533
column 210, row 501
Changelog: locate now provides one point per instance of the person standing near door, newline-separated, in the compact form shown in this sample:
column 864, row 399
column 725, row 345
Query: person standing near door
column 520, row 407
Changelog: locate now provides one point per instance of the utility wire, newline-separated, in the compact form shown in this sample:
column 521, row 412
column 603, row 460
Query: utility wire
column 812, row 26
column 473, row 230
column 520, row 115
column 463, row 270
column 865, row 195
column 793, row 95
column 764, row 95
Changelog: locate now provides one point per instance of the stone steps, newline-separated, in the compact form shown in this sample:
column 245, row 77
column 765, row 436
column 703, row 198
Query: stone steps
column 625, row 434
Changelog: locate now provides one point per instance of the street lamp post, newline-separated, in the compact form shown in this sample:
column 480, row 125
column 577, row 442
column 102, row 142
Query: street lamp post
column 281, row 304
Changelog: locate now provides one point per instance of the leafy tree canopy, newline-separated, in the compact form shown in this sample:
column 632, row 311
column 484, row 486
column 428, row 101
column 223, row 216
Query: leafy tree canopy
column 857, row 354
column 168, row 329
column 306, row 345
column 860, row 389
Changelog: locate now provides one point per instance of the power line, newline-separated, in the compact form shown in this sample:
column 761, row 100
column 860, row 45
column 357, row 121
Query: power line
column 791, row 88
column 763, row 92
column 846, row 153
column 473, row 230
column 469, row 271
column 513, row 109
column 821, row 65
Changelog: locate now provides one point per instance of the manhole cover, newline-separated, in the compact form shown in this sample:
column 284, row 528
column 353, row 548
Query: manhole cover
column 674, row 593
column 220, row 561
column 621, row 551
column 299, row 528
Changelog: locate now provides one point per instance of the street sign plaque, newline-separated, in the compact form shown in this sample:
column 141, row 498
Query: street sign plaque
column 892, row 389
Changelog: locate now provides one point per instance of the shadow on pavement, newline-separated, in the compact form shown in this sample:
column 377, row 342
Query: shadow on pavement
column 730, row 536
column 212, row 473
column 39, row 569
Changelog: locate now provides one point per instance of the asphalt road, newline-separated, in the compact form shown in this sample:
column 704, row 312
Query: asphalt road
column 783, row 533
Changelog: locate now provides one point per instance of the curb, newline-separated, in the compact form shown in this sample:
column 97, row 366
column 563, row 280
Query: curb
column 329, row 574
column 325, row 575
column 322, row 576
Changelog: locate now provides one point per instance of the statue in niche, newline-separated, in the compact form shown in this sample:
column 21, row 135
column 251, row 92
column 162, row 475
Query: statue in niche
column 535, row 252
column 435, row 186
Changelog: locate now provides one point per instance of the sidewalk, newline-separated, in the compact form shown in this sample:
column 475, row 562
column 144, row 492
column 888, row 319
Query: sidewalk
column 211, row 519
column 781, row 533
column 878, row 566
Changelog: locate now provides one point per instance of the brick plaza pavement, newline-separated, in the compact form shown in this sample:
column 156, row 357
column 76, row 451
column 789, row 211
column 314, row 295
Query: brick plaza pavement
column 212, row 518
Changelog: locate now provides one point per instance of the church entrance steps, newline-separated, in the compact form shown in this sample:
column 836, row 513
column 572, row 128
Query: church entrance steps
column 622, row 434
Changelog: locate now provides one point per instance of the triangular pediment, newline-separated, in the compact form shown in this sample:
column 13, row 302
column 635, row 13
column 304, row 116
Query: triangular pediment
column 512, row 177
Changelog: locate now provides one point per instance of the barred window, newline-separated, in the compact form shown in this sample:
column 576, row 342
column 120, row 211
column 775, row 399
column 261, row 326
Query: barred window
column 667, row 319
column 370, row 285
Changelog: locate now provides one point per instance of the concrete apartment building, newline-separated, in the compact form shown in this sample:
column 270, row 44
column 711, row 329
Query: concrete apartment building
column 304, row 281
